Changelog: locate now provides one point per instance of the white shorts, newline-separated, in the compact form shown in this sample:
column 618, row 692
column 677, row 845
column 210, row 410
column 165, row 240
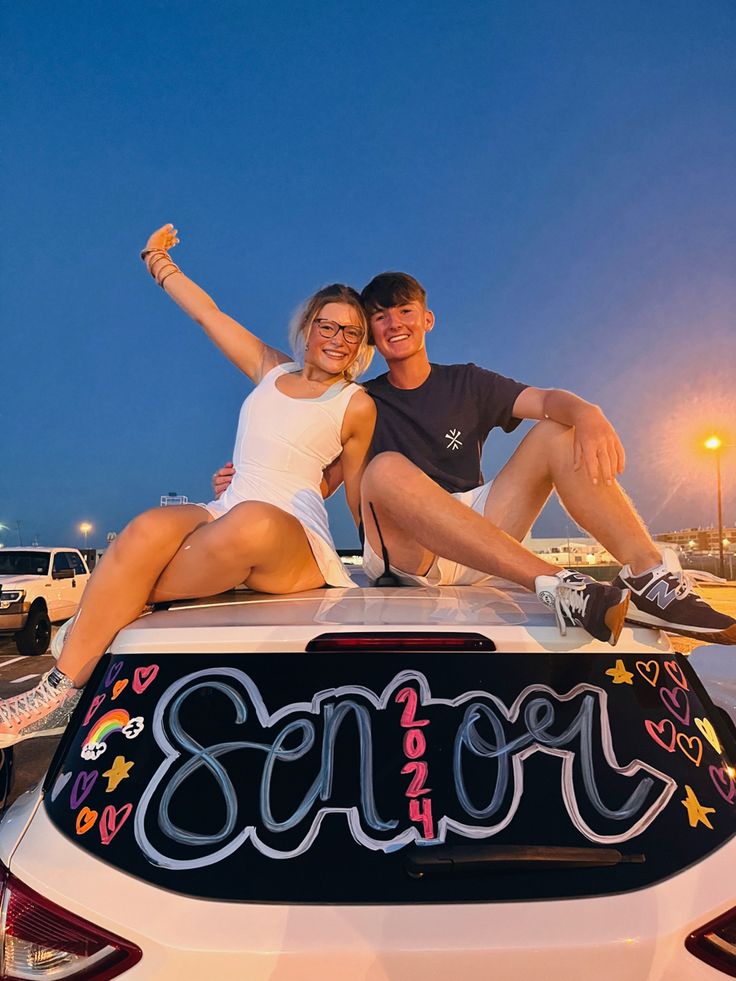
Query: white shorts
column 442, row 572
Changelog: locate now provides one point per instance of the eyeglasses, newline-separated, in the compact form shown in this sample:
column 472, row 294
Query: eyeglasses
column 328, row 328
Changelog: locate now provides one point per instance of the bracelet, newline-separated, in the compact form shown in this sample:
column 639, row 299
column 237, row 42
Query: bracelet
column 147, row 252
column 157, row 257
column 163, row 279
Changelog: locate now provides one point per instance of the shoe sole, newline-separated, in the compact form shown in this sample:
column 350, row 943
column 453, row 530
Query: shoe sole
column 11, row 740
column 615, row 617
column 727, row 636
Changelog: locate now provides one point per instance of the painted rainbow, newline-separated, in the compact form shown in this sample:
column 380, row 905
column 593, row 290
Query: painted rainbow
column 108, row 723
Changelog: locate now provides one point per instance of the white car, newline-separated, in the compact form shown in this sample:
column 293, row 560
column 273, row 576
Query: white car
column 378, row 784
column 38, row 587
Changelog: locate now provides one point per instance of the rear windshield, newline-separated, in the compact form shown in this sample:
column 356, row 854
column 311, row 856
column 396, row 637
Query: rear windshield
column 396, row 777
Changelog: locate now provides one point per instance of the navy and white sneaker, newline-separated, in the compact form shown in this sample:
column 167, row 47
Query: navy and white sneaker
column 579, row 601
column 663, row 597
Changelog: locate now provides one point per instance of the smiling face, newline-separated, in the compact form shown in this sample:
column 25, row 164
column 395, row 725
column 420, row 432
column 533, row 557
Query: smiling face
column 399, row 332
column 334, row 354
column 311, row 338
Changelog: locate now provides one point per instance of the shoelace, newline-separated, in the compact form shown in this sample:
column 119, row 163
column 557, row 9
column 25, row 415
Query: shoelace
column 687, row 580
column 15, row 709
column 569, row 600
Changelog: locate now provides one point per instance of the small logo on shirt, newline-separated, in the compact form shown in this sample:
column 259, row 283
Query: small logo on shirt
column 454, row 439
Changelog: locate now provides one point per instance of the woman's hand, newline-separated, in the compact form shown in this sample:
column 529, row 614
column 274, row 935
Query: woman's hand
column 162, row 239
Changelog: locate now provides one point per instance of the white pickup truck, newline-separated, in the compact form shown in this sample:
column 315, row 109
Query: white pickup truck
column 38, row 587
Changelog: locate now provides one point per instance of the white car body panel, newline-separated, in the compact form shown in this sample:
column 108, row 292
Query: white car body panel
column 635, row 935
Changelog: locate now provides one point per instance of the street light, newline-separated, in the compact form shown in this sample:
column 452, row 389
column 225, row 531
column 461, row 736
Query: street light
column 85, row 528
column 715, row 444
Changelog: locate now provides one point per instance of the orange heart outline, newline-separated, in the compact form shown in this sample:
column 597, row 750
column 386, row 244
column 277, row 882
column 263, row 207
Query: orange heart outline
column 118, row 688
column 682, row 737
column 643, row 668
column 85, row 820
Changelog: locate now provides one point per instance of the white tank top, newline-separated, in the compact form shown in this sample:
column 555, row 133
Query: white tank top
column 282, row 446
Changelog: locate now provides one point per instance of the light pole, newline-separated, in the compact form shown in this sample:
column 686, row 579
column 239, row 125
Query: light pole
column 715, row 444
column 85, row 528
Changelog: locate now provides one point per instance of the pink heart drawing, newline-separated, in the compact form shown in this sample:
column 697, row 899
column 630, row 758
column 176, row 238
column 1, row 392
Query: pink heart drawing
column 656, row 731
column 112, row 821
column 724, row 783
column 112, row 672
column 81, row 788
column 142, row 678
column 649, row 670
column 96, row 702
column 675, row 672
column 676, row 702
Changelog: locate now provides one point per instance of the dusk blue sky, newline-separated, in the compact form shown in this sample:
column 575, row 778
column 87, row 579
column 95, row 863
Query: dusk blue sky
column 559, row 175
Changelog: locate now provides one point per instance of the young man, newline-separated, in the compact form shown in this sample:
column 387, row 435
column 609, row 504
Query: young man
column 439, row 523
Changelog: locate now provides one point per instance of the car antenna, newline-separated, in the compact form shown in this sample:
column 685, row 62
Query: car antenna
column 387, row 577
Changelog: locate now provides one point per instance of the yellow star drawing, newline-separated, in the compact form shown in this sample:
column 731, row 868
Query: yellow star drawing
column 695, row 810
column 120, row 770
column 620, row 675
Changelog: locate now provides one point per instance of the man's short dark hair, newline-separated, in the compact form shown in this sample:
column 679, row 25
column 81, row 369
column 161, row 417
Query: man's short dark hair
column 391, row 289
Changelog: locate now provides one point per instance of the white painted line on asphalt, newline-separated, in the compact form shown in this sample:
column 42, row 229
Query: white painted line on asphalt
column 26, row 677
column 12, row 661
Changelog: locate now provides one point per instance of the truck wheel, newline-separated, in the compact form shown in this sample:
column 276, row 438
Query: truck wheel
column 34, row 638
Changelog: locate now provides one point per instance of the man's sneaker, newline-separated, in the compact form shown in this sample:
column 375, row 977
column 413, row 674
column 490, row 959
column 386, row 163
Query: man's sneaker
column 42, row 711
column 663, row 597
column 579, row 601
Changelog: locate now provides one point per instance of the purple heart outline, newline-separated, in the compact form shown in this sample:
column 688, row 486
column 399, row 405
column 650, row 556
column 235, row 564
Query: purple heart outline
column 722, row 779
column 677, row 703
column 82, row 787
column 112, row 672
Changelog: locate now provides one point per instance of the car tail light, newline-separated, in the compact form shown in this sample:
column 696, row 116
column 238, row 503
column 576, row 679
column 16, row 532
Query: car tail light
column 42, row 940
column 715, row 943
column 423, row 641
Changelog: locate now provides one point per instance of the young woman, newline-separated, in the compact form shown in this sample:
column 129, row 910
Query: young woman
column 270, row 527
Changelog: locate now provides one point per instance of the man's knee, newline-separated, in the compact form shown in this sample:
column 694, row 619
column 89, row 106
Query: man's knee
column 386, row 470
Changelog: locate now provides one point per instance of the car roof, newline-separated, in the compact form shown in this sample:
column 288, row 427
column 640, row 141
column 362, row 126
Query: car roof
column 39, row 548
column 512, row 617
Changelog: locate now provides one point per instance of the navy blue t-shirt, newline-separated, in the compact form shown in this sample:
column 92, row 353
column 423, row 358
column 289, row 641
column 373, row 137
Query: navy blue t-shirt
column 442, row 425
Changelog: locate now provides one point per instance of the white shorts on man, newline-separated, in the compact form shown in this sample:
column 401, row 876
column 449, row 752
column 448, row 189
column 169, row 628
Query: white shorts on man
column 442, row 572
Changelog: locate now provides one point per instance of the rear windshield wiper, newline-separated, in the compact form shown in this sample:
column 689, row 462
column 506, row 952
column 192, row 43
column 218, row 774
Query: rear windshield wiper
column 482, row 858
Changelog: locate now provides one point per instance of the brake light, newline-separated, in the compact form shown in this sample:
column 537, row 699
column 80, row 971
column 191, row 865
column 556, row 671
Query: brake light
column 41, row 940
column 715, row 943
column 417, row 640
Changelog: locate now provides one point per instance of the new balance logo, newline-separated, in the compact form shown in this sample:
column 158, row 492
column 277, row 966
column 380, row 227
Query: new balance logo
column 662, row 594
column 454, row 440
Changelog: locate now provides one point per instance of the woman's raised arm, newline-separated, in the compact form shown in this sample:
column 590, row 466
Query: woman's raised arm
column 243, row 348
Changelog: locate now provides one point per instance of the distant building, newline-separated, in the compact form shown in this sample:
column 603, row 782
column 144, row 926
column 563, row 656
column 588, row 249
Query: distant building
column 569, row 551
column 698, row 539
column 173, row 498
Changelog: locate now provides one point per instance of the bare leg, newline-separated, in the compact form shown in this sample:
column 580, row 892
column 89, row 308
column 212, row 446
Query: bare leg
column 419, row 520
column 120, row 586
column 255, row 543
column 180, row 553
column 543, row 460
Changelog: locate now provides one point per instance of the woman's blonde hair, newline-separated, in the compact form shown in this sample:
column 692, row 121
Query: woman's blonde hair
column 307, row 312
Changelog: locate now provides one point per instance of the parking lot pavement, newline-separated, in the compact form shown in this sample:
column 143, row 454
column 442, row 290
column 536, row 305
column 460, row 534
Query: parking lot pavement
column 17, row 674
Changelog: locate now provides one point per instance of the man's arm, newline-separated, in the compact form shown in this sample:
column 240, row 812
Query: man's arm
column 597, row 446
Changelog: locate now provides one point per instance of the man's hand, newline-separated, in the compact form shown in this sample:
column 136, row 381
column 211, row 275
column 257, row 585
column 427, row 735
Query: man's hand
column 222, row 478
column 597, row 446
